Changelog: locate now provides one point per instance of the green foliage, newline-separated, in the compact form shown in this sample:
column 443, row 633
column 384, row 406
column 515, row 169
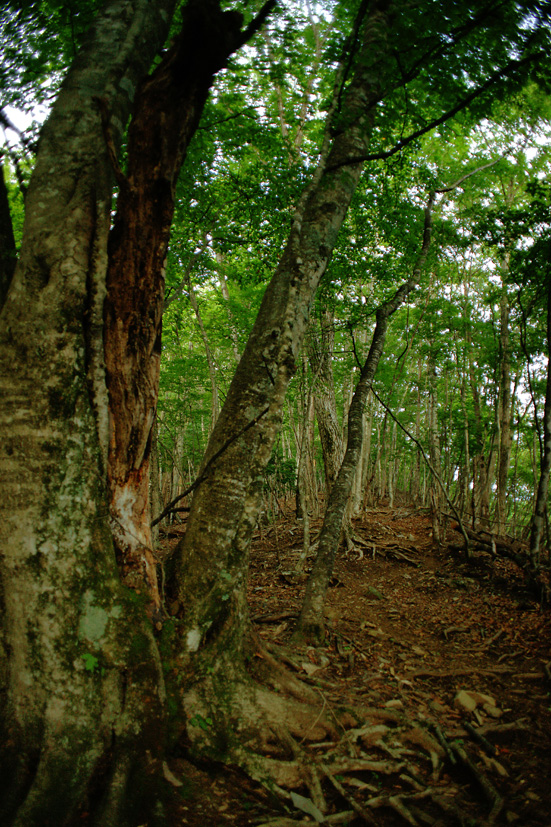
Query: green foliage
column 254, row 153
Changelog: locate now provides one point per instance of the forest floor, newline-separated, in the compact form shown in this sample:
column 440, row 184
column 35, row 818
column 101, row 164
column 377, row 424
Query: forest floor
column 460, row 649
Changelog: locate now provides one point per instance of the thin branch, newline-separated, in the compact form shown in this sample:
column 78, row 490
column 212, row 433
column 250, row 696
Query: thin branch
column 255, row 24
column 467, row 175
column 432, row 469
column 382, row 156
column 208, row 466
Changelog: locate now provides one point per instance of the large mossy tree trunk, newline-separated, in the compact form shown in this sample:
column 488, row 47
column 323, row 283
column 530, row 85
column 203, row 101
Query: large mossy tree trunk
column 79, row 371
column 213, row 558
column 84, row 686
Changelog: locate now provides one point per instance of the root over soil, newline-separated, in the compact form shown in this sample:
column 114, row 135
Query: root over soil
column 427, row 704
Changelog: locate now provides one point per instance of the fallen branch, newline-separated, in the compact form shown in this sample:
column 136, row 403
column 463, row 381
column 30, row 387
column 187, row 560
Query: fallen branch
column 489, row 791
column 361, row 811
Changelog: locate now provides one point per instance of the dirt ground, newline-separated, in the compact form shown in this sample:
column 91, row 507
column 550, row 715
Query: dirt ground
column 460, row 649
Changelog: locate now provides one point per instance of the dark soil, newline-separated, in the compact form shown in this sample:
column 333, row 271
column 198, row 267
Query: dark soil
column 409, row 626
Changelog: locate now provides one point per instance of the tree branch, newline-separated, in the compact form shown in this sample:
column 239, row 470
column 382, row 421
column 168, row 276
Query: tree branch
column 256, row 24
column 208, row 466
column 382, row 156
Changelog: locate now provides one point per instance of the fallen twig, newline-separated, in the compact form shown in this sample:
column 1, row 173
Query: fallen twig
column 361, row 811
column 480, row 739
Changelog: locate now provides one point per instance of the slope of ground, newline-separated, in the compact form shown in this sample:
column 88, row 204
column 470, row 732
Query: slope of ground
column 460, row 650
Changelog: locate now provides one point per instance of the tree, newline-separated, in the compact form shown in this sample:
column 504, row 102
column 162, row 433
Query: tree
column 213, row 557
column 67, row 695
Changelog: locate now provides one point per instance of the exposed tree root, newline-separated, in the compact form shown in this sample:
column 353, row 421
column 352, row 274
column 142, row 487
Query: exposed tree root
column 537, row 581
column 376, row 758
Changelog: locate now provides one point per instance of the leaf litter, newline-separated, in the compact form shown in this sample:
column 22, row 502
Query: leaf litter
column 450, row 662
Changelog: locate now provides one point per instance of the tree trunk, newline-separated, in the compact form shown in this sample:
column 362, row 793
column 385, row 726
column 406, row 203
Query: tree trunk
column 310, row 625
column 538, row 518
column 7, row 240
column 84, row 686
column 211, row 362
column 213, row 559
column 320, row 352
column 174, row 96
column 504, row 415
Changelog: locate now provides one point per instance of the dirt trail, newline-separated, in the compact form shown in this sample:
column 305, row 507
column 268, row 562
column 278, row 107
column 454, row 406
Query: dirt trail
column 459, row 648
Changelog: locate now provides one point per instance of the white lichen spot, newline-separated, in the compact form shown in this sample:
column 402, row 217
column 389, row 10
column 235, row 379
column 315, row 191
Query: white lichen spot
column 193, row 639
column 93, row 620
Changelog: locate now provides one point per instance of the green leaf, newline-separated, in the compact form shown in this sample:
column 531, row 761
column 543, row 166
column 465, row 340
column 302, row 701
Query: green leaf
column 90, row 662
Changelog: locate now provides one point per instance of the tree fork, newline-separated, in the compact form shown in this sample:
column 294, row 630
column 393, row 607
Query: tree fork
column 168, row 107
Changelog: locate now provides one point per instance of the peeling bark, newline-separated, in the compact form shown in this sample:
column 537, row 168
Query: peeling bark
column 168, row 107
column 85, row 689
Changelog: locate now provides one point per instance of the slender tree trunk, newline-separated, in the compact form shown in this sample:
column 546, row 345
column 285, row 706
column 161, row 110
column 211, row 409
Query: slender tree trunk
column 310, row 623
column 540, row 507
column 320, row 350
column 211, row 363
column 504, row 415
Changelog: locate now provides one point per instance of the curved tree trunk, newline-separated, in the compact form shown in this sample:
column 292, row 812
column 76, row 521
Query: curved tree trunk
column 310, row 626
column 213, row 559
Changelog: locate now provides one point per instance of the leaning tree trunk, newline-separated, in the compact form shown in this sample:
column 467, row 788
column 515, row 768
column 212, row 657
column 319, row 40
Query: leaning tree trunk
column 538, row 518
column 84, row 685
column 213, row 559
column 310, row 626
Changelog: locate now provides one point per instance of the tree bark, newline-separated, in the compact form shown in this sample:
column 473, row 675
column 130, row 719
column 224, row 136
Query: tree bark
column 171, row 99
column 84, row 685
column 504, row 415
column 320, row 350
column 7, row 240
column 538, row 518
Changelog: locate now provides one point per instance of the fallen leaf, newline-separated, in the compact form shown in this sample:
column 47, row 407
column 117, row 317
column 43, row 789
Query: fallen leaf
column 307, row 806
